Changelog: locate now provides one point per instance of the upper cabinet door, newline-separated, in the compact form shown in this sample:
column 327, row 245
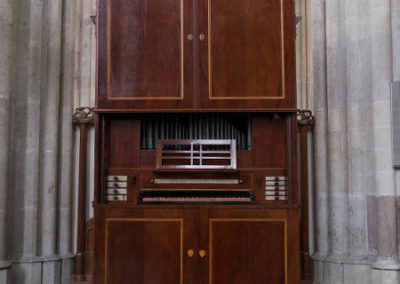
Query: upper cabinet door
column 247, row 54
column 145, row 57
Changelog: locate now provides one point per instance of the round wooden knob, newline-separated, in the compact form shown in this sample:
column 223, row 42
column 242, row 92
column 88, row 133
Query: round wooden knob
column 190, row 253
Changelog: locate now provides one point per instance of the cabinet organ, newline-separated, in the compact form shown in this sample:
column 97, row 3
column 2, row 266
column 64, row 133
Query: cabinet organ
column 196, row 169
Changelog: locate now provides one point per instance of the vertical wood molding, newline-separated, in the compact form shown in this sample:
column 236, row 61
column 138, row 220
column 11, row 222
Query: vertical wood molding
column 306, row 123
column 82, row 117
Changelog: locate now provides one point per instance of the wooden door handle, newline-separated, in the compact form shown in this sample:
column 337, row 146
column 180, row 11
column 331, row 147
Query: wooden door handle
column 190, row 253
column 202, row 253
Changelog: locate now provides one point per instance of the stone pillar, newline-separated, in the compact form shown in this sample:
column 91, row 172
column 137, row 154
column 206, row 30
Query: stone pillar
column 387, row 266
column 355, row 183
column 320, row 138
column 65, row 171
column 41, row 145
column 49, row 143
column 7, row 46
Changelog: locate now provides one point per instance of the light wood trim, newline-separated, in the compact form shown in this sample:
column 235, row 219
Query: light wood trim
column 119, row 98
column 211, row 220
column 191, row 110
column 108, row 220
column 210, row 96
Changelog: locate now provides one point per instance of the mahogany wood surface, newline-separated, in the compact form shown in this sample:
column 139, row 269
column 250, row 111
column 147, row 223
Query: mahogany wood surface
column 144, row 58
column 144, row 246
column 241, row 59
column 271, row 155
column 148, row 246
column 270, row 145
column 246, row 60
column 123, row 148
column 306, row 262
column 249, row 246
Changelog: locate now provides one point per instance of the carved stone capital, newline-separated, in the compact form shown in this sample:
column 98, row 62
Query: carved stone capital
column 83, row 115
column 305, row 118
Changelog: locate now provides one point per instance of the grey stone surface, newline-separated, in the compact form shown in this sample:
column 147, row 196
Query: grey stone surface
column 37, row 53
column 26, row 273
column 360, row 274
column 385, row 277
column 7, row 46
column 51, row 272
column 67, row 269
column 354, row 61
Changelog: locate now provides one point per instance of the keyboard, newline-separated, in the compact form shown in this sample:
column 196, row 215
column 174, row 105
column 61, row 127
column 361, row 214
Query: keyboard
column 196, row 196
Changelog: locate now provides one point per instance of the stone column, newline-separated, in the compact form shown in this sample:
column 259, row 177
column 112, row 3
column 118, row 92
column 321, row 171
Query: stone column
column 7, row 46
column 40, row 156
column 65, row 171
column 49, row 142
column 387, row 266
column 355, row 183
column 320, row 137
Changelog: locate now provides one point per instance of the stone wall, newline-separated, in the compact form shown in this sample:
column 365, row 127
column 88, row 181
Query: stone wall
column 355, row 57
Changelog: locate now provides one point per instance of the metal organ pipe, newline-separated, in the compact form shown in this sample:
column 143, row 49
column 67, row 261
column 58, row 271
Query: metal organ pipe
column 196, row 126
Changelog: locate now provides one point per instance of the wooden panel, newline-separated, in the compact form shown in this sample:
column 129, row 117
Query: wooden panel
column 136, row 246
column 247, row 250
column 124, row 145
column 143, row 246
column 144, row 55
column 270, row 147
column 247, row 59
column 250, row 247
column 240, row 34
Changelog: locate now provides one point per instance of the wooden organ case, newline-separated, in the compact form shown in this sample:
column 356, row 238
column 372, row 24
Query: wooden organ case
column 196, row 168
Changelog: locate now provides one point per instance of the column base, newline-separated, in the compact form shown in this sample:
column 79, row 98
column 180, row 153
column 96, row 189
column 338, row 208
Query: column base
column 5, row 267
column 385, row 276
column 328, row 270
column 45, row 270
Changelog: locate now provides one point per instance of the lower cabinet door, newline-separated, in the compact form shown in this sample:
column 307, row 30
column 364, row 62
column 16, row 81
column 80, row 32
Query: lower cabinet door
column 144, row 247
column 250, row 247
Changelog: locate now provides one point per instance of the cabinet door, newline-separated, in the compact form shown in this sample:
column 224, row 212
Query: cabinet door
column 144, row 58
column 144, row 246
column 249, row 247
column 247, row 56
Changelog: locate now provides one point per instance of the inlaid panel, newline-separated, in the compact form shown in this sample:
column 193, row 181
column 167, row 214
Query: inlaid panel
column 246, row 49
column 145, row 49
column 247, row 251
column 144, row 250
column 247, row 54
column 144, row 58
